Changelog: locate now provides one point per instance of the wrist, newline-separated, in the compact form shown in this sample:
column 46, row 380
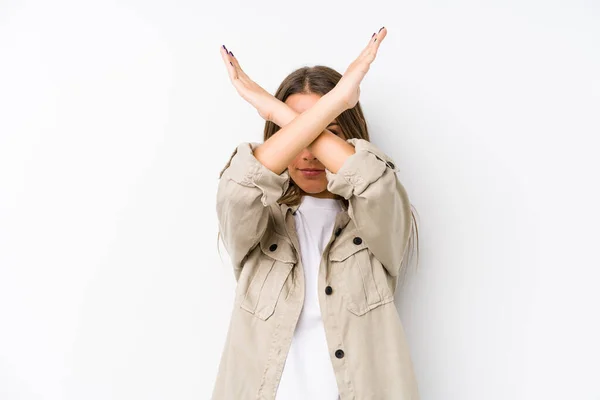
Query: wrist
column 336, row 100
column 282, row 114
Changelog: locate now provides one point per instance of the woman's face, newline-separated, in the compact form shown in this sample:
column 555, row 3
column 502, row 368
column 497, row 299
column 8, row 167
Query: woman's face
column 315, row 185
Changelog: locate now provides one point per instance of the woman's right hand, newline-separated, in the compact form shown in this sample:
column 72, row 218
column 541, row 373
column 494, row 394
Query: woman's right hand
column 348, row 87
column 264, row 102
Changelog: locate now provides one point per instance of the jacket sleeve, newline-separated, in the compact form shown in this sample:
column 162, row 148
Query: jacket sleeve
column 378, row 202
column 245, row 191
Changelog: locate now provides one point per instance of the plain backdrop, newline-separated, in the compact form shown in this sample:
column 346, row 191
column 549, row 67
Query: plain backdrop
column 116, row 118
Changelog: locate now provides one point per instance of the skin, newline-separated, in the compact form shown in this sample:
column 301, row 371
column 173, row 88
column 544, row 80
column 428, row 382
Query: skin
column 305, row 140
column 315, row 186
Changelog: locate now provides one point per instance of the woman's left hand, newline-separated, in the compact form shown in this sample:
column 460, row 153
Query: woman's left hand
column 348, row 87
column 264, row 102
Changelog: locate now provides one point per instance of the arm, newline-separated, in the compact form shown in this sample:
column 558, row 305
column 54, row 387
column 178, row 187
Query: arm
column 279, row 150
column 257, row 177
column 330, row 149
column 366, row 177
column 378, row 202
column 245, row 191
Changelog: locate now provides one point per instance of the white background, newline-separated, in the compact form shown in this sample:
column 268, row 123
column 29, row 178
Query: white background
column 116, row 118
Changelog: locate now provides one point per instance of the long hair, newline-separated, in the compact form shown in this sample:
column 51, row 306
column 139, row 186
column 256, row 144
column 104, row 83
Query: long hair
column 320, row 80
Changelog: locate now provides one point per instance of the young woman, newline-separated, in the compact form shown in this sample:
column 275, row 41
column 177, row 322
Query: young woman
column 317, row 226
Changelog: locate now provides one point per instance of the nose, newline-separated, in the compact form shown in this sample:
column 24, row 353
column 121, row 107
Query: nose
column 307, row 155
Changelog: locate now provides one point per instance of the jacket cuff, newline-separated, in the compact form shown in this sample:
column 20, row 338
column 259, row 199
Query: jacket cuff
column 359, row 170
column 246, row 170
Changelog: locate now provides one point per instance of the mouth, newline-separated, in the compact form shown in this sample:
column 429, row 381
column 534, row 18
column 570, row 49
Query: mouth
column 311, row 172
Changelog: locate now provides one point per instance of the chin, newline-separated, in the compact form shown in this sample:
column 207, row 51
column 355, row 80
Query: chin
column 312, row 189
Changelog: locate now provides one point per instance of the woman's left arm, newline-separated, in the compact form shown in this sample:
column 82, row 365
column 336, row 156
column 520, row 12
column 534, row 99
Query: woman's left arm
column 330, row 149
column 365, row 176
column 378, row 202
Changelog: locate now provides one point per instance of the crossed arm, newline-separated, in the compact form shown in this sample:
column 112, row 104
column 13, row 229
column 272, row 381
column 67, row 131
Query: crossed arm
column 305, row 130
column 378, row 202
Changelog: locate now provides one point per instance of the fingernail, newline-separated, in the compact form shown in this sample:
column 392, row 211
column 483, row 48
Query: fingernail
column 224, row 47
column 230, row 63
column 381, row 28
column 373, row 35
column 231, row 52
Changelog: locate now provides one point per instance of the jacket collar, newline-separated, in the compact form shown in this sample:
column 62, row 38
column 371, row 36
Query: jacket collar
column 341, row 220
column 285, row 208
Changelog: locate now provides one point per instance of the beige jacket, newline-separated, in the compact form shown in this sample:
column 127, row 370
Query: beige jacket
column 356, row 282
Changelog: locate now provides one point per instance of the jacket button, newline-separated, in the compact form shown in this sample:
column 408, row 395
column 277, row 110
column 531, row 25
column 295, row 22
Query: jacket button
column 338, row 231
column 357, row 240
column 391, row 165
column 328, row 290
column 339, row 353
column 273, row 247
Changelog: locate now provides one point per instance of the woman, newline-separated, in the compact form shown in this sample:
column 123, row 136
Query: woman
column 317, row 226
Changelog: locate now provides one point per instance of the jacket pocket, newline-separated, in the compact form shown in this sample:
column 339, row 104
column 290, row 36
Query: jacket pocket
column 269, row 270
column 363, row 279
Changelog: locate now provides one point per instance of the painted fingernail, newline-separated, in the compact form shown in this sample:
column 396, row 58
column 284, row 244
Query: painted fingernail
column 231, row 52
column 381, row 28
column 230, row 63
column 225, row 47
column 373, row 35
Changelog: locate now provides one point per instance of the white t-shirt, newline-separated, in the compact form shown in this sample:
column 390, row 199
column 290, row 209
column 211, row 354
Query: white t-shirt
column 308, row 372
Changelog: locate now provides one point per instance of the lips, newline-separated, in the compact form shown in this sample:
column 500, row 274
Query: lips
column 312, row 172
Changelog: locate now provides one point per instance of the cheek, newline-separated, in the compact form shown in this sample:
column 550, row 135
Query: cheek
column 294, row 163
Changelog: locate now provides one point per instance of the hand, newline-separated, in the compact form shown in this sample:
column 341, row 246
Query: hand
column 259, row 98
column 348, row 87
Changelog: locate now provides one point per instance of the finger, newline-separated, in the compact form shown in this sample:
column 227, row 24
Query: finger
column 231, row 70
column 237, row 77
column 380, row 35
column 378, row 38
column 368, row 46
column 370, row 51
column 239, row 72
column 374, row 42
column 237, row 65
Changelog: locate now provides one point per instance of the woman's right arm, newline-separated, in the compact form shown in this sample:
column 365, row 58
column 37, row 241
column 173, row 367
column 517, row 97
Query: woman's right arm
column 257, row 177
column 245, row 191
column 281, row 148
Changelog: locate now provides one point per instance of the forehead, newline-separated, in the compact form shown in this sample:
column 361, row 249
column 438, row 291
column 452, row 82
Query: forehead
column 301, row 102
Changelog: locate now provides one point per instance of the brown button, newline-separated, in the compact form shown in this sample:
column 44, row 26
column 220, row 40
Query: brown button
column 339, row 353
column 338, row 231
column 328, row 290
column 273, row 247
column 357, row 240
